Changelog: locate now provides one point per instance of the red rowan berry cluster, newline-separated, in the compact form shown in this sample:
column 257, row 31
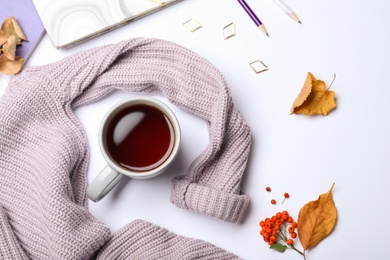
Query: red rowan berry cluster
column 275, row 229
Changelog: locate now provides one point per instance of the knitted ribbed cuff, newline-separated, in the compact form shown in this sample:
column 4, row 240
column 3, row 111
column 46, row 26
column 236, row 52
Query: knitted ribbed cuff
column 9, row 246
column 143, row 240
column 206, row 200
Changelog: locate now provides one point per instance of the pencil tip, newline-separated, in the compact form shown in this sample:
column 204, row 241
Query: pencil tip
column 300, row 22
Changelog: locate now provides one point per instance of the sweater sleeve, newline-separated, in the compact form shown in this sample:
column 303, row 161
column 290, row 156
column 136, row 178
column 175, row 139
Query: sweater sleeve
column 143, row 240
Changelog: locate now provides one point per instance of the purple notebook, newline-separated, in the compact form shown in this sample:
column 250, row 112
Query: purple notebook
column 26, row 15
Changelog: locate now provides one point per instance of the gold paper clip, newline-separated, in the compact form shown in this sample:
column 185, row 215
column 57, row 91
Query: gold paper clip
column 192, row 25
column 160, row 2
column 229, row 31
column 258, row 66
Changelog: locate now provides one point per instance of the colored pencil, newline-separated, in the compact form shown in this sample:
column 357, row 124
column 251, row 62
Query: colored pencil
column 287, row 10
column 253, row 16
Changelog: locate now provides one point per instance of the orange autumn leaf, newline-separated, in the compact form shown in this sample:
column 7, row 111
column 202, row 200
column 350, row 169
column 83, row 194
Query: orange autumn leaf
column 316, row 220
column 314, row 98
column 8, row 66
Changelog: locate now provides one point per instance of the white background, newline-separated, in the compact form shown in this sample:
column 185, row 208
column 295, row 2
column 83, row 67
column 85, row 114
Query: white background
column 301, row 155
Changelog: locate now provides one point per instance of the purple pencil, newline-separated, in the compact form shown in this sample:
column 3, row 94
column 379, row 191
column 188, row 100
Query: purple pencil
column 253, row 16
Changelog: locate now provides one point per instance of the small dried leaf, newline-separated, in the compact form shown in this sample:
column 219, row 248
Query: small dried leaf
column 9, row 48
column 11, row 27
column 314, row 98
column 8, row 27
column 18, row 30
column 3, row 37
column 8, row 66
column 278, row 247
column 316, row 220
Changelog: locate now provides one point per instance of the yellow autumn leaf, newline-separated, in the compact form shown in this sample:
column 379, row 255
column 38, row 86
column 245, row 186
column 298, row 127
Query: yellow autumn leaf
column 8, row 66
column 316, row 220
column 314, row 98
column 11, row 27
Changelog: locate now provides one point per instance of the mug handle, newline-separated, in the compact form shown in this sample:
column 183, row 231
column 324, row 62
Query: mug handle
column 103, row 183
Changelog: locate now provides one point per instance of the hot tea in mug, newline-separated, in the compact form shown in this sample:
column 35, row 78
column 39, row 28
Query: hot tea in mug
column 139, row 137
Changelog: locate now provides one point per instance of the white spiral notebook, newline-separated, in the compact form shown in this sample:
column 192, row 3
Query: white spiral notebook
column 68, row 22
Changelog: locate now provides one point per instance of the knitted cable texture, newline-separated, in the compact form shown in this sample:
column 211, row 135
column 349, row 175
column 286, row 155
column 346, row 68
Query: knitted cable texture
column 44, row 153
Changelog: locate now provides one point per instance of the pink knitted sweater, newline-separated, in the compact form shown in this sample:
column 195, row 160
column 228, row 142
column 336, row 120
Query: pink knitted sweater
column 44, row 154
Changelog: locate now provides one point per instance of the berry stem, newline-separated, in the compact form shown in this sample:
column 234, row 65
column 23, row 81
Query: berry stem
column 294, row 248
column 283, row 236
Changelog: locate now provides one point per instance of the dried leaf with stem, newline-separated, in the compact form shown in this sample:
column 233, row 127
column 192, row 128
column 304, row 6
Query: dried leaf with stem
column 314, row 98
column 316, row 220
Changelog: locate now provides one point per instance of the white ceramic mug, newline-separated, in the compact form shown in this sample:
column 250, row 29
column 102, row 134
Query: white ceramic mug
column 117, row 118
